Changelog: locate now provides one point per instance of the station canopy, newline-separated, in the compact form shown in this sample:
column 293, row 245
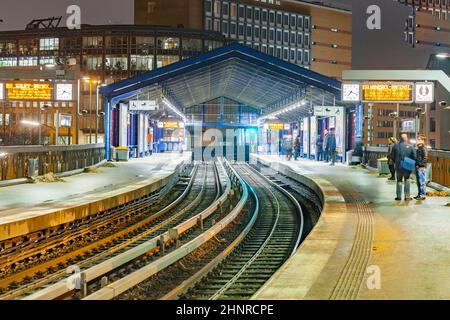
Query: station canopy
column 236, row 72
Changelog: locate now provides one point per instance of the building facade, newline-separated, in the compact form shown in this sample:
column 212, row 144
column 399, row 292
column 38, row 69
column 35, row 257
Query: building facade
column 98, row 55
column 428, row 25
column 314, row 36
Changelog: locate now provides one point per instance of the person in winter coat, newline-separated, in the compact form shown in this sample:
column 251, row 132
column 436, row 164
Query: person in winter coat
column 392, row 142
column 421, row 168
column 331, row 145
column 319, row 148
column 399, row 153
column 325, row 146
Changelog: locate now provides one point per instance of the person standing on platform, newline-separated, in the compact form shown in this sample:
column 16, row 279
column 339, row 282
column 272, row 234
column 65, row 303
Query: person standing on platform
column 421, row 168
column 403, row 153
column 392, row 143
column 319, row 148
column 297, row 147
column 325, row 146
column 331, row 145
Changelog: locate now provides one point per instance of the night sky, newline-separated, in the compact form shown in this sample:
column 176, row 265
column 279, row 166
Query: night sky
column 371, row 49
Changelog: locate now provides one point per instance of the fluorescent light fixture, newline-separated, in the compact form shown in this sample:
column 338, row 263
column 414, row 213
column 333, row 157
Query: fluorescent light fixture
column 287, row 109
column 3, row 154
column 30, row 123
column 173, row 108
column 441, row 55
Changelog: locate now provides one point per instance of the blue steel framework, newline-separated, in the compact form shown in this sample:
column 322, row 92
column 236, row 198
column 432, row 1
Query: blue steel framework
column 235, row 71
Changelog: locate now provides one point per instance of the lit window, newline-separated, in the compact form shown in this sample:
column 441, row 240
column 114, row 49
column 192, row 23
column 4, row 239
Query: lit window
column 217, row 8
column 233, row 11
column 151, row 7
column 49, row 44
column 28, row 61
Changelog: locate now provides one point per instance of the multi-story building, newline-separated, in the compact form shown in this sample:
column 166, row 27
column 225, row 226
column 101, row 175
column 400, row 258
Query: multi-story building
column 100, row 54
column 428, row 24
column 315, row 36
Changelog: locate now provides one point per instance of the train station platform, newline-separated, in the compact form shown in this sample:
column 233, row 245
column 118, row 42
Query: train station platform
column 30, row 206
column 366, row 245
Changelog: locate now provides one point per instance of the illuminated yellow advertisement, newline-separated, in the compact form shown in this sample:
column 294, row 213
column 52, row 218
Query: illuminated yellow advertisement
column 170, row 125
column 387, row 92
column 29, row 91
column 276, row 126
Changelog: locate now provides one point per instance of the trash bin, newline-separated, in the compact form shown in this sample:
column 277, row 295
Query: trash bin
column 122, row 154
column 383, row 166
column 33, row 168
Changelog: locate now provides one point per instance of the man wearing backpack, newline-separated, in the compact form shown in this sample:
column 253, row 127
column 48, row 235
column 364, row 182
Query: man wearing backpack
column 404, row 159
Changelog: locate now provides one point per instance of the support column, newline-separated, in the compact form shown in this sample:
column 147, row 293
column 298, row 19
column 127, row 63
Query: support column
column 123, row 125
column 108, row 155
column 140, row 135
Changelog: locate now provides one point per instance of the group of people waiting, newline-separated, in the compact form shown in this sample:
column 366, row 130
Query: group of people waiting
column 403, row 158
column 326, row 147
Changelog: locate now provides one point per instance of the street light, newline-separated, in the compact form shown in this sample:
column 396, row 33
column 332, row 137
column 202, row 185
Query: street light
column 97, row 114
column 78, row 106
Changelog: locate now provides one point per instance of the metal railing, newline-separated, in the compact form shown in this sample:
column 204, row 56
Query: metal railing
column 439, row 159
column 14, row 160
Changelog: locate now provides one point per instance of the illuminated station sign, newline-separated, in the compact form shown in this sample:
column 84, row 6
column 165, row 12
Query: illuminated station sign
column 29, row 91
column 388, row 92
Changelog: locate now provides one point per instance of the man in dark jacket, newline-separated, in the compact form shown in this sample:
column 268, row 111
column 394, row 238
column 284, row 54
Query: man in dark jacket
column 331, row 144
column 421, row 168
column 399, row 153
column 319, row 148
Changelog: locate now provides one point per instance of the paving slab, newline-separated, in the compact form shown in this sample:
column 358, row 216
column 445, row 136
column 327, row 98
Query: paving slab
column 30, row 207
column 370, row 246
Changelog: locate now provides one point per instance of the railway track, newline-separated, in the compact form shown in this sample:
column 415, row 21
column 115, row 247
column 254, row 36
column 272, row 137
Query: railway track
column 271, row 240
column 238, row 265
column 198, row 192
column 188, row 235
column 51, row 246
column 134, row 252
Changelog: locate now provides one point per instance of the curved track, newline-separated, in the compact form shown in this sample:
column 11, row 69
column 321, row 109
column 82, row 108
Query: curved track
column 203, row 189
column 271, row 241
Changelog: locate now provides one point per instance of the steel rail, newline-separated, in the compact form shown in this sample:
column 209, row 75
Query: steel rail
column 255, row 256
column 115, row 289
column 61, row 288
column 57, row 289
column 294, row 201
column 187, row 284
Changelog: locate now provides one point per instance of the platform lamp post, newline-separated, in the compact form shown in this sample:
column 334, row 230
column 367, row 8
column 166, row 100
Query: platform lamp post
column 78, row 108
column 90, row 107
column 97, row 113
